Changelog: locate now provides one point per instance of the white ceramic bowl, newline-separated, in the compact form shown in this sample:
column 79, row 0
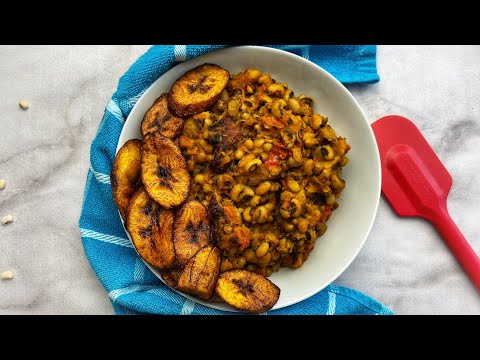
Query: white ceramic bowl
column 350, row 224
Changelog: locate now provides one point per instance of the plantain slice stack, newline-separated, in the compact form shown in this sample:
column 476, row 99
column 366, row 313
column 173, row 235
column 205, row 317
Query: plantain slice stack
column 247, row 291
column 191, row 231
column 201, row 272
column 197, row 90
column 159, row 119
column 125, row 174
column 164, row 171
column 150, row 227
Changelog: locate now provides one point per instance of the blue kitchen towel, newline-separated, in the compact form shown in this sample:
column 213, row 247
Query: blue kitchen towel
column 131, row 286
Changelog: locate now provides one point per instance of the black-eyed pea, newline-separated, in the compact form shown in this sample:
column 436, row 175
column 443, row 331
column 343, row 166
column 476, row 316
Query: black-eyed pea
column 232, row 251
column 318, row 168
column 224, row 95
column 287, row 227
column 228, row 229
column 253, row 75
column 262, row 250
column 265, row 99
column 251, row 268
column 321, row 228
column 278, row 108
column 199, row 178
column 276, row 90
column 252, row 165
column 275, row 187
column 240, row 262
column 316, row 121
column 286, row 195
column 258, row 143
column 268, row 271
column 225, row 265
column 282, row 244
column 310, row 140
column 298, row 207
column 294, row 105
column 267, row 147
column 270, row 206
column 260, row 215
column 263, row 188
column 247, row 214
column 207, row 122
column 249, row 144
column 293, row 186
column 308, row 166
column 239, row 154
column 236, row 191
column 288, row 95
column 246, row 193
column 328, row 133
column 264, row 260
column 249, row 255
column 208, row 188
column 254, row 201
column 327, row 152
column 265, row 79
column 24, row 104
column 275, row 255
column 245, row 116
column 344, row 161
column 297, row 155
column 336, row 183
column 220, row 105
column 284, row 213
column 245, row 160
column 302, row 225
column 330, row 199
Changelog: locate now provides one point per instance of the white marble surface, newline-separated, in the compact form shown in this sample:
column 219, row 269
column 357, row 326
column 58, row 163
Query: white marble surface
column 45, row 156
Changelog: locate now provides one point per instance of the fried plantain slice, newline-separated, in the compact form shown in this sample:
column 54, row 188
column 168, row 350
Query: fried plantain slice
column 125, row 174
column 201, row 272
column 150, row 227
column 171, row 275
column 197, row 90
column 247, row 291
column 228, row 230
column 164, row 171
column 159, row 119
column 191, row 231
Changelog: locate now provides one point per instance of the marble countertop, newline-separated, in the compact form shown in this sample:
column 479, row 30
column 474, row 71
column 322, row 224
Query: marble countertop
column 45, row 157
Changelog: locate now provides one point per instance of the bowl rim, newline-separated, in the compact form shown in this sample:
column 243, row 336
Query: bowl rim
column 184, row 66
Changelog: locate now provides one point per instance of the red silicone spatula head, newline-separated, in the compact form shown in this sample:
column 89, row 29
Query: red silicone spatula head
column 414, row 180
column 416, row 183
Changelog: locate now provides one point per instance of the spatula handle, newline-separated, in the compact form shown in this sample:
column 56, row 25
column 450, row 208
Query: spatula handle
column 459, row 246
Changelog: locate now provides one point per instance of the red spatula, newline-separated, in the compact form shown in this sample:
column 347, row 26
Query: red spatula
column 416, row 183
